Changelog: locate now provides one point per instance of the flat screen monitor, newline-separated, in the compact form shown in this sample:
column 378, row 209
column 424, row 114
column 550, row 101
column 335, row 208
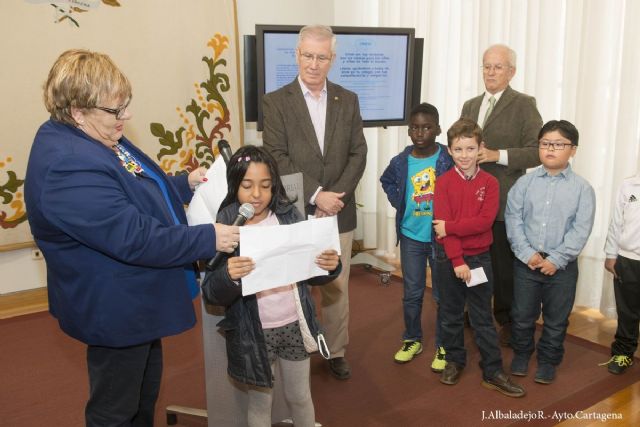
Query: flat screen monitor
column 375, row 63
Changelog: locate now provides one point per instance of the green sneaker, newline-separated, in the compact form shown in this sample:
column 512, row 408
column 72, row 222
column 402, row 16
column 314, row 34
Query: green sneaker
column 409, row 350
column 618, row 364
column 439, row 362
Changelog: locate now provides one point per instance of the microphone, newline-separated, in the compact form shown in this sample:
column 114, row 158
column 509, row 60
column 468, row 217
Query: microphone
column 245, row 213
column 225, row 152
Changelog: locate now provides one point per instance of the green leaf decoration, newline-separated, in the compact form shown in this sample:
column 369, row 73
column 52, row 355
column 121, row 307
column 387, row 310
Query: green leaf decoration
column 10, row 187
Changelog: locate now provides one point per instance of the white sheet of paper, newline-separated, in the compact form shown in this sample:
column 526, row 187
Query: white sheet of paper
column 209, row 195
column 286, row 254
column 478, row 277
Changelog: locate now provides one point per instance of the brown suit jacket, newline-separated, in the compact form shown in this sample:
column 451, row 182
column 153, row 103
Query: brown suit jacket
column 513, row 126
column 289, row 136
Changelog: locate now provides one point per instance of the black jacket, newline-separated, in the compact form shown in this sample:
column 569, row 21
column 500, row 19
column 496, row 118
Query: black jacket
column 246, row 350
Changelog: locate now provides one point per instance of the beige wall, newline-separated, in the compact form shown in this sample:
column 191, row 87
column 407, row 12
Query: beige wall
column 17, row 268
column 158, row 45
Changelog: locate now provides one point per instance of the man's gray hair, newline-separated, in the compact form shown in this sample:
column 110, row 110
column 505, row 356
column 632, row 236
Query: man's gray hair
column 318, row 32
column 511, row 54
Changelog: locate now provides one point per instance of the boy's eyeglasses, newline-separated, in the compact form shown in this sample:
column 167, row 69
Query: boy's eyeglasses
column 557, row 145
column 308, row 58
column 118, row 112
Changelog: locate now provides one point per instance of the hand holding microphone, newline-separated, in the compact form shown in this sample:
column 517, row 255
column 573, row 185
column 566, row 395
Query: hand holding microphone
column 228, row 240
column 227, row 237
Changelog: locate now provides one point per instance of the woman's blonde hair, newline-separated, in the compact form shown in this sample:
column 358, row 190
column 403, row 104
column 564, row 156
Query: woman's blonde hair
column 83, row 79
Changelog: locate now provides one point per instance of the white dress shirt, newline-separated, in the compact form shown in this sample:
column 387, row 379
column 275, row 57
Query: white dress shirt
column 317, row 107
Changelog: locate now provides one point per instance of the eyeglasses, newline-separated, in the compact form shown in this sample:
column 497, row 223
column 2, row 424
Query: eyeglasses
column 557, row 145
column 118, row 112
column 308, row 58
column 498, row 68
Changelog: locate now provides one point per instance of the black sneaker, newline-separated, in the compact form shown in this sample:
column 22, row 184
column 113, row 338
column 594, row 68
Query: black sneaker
column 618, row 364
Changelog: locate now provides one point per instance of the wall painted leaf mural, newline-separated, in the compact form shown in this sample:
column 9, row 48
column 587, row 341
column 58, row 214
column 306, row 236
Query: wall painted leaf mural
column 205, row 118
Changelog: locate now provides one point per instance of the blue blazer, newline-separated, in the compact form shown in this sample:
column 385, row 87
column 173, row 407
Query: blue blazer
column 115, row 258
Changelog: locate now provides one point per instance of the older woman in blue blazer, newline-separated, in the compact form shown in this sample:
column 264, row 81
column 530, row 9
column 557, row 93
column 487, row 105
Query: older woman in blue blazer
column 112, row 228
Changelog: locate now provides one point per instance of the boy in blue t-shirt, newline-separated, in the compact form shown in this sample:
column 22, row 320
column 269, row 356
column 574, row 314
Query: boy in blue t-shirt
column 409, row 182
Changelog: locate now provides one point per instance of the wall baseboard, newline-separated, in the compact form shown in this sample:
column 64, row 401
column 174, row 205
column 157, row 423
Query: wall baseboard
column 23, row 302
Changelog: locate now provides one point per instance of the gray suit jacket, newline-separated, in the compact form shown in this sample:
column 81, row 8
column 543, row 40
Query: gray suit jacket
column 513, row 126
column 289, row 136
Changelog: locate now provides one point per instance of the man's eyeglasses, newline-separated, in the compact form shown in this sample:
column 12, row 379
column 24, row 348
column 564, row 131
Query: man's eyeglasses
column 557, row 145
column 308, row 58
column 118, row 112
column 497, row 67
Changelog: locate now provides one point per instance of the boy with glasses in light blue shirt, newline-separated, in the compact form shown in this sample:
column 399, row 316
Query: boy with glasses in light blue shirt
column 549, row 216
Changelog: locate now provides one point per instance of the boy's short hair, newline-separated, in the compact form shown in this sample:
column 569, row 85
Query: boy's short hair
column 566, row 129
column 427, row 109
column 466, row 128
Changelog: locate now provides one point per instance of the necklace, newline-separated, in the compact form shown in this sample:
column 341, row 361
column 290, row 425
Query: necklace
column 127, row 160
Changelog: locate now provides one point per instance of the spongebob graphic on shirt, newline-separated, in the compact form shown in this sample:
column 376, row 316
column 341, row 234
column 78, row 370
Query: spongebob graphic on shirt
column 423, row 186
column 418, row 196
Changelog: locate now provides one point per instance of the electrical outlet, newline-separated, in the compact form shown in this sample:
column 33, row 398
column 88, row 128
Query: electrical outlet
column 36, row 254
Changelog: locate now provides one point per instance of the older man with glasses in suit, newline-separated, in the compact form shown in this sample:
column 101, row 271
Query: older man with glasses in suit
column 314, row 126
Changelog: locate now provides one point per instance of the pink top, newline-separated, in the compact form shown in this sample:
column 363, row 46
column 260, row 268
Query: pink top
column 277, row 306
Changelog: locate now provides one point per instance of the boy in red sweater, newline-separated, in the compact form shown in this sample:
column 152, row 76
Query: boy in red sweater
column 465, row 206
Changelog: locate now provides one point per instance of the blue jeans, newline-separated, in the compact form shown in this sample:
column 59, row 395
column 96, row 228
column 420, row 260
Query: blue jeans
column 414, row 256
column 453, row 295
column 533, row 293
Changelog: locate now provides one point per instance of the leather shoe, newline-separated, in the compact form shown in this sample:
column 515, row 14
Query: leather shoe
column 502, row 383
column 340, row 369
column 504, row 335
column 451, row 373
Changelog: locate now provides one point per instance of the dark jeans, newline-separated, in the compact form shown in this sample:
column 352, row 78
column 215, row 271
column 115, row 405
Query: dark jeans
column 124, row 384
column 453, row 294
column 502, row 259
column 533, row 293
column 413, row 257
column 627, row 290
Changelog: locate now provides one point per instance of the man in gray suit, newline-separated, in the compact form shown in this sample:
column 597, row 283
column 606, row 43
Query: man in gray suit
column 314, row 126
column 510, row 123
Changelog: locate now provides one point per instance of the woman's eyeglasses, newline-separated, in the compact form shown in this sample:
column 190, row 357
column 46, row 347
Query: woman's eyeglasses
column 118, row 112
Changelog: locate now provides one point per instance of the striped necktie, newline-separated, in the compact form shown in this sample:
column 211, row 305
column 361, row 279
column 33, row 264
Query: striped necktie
column 492, row 102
